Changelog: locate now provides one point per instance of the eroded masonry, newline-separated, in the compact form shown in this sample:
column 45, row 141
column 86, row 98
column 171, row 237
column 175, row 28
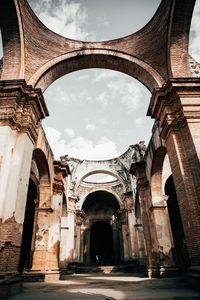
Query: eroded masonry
column 51, row 216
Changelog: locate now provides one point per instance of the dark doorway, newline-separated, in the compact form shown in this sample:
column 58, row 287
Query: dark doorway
column 26, row 252
column 101, row 244
column 180, row 254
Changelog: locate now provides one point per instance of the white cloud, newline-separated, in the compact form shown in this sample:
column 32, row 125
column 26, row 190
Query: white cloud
column 66, row 18
column 130, row 94
column 102, row 99
column 105, row 75
column 69, row 132
column 80, row 147
column 195, row 33
column 90, row 127
column 139, row 122
column 83, row 77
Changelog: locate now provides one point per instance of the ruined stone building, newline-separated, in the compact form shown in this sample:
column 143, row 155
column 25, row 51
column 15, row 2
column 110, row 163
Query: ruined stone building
column 51, row 215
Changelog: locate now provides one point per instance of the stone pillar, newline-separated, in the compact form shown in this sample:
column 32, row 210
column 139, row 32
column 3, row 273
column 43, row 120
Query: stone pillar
column 131, row 223
column 70, row 238
column 151, row 243
column 122, row 214
column 140, row 244
column 116, row 241
column 164, row 236
column 79, row 220
column 54, row 237
column 177, row 108
column 21, row 109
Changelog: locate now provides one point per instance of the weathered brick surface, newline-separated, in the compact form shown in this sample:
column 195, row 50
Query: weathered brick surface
column 144, row 55
column 10, row 233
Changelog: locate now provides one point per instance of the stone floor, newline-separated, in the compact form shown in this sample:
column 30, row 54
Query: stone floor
column 108, row 286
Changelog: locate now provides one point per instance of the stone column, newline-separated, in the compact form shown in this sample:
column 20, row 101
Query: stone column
column 151, row 243
column 21, row 109
column 54, row 237
column 122, row 214
column 116, row 241
column 177, row 108
column 164, row 236
column 131, row 223
column 70, row 238
column 86, row 249
column 79, row 220
column 140, row 244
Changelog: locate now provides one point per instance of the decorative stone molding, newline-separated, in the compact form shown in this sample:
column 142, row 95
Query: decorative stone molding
column 139, row 171
column 61, row 170
column 21, row 107
column 175, row 104
column 80, row 216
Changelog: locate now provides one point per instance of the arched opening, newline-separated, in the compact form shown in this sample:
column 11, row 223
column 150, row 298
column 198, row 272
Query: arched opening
column 157, row 175
column 99, row 178
column 102, row 235
column 101, row 244
column 42, row 175
column 98, row 133
column 180, row 254
column 81, row 23
column 28, row 228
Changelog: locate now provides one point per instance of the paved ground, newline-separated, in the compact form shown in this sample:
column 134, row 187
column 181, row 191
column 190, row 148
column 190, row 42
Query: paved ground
column 102, row 287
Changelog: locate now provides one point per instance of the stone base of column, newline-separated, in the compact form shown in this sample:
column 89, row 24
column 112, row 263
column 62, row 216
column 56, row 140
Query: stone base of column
column 161, row 272
column 10, row 284
column 193, row 277
column 41, row 276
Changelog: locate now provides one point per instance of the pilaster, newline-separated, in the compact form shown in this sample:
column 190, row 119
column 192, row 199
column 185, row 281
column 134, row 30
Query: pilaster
column 21, row 109
column 142, row 185
column 177, row 108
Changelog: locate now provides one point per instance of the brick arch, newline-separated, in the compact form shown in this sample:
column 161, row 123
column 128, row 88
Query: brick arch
column 42, row 165
column 12, row 39
column 150, row 55
column 96, row 58
column 45, row 184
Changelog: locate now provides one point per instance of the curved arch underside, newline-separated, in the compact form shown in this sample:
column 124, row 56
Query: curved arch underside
column 152, row 55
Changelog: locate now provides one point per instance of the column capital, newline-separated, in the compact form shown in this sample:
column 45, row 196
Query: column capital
column 21, row 107
column 139, row 171
column 80, row 216
column 61, row 171
column 176, row 103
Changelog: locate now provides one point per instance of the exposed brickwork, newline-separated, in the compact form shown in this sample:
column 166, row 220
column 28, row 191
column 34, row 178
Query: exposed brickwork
column 149, row 64
column 10, row 233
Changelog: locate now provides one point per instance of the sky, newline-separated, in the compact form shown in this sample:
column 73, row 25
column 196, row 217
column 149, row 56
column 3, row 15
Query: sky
column 97, row 113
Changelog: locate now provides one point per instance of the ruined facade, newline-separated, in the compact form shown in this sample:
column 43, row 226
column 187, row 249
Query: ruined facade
column 49, row 215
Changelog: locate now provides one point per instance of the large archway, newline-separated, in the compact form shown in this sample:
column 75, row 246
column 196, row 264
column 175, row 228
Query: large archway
column 102, row 235
column 101, row 243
